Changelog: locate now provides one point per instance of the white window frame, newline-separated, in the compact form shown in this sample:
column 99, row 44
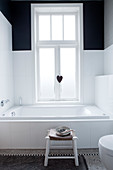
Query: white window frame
column 73, row 43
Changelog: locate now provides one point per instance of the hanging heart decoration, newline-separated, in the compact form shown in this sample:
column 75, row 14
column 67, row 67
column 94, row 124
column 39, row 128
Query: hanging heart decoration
column 59, row 78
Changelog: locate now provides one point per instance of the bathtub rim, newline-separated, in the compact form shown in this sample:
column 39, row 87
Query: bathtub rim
column 53, row 119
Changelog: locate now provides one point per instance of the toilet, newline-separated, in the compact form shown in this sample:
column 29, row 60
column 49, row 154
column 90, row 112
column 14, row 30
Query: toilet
column 106, row 151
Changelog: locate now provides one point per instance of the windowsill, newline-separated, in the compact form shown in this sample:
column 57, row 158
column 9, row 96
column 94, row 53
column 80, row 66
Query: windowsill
column 58, row 103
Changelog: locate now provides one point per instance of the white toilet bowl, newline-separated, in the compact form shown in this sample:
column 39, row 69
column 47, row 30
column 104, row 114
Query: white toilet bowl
column 106, row 151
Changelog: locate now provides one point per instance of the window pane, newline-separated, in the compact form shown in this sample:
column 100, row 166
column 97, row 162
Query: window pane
column 47, row 73
column 69, row 27
column 44, row 27
column 67, row 59
column 56, row 27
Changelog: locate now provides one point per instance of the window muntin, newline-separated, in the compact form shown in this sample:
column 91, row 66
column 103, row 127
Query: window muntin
column 72, row 40
column 57, row 27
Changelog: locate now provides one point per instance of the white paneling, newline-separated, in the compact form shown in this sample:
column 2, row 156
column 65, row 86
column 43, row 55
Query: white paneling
column 31, row 134
column 104, row 93
column 99, row 129
column 93, row 66
column 104, row 84
column 37, row 137
column 19, row 134
column 108, row 60
column 82, row 130
column 6, row 63
column 5, row 140
column 23, row 76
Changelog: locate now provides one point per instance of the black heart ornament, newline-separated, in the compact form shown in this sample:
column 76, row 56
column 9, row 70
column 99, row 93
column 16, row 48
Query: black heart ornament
column 59, row 78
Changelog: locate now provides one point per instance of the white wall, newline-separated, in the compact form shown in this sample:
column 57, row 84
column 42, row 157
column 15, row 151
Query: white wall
column 93, row 66
column 24, row 75
column 6, row 63
column 108, row 60
column 104, row 84
column 104, row 93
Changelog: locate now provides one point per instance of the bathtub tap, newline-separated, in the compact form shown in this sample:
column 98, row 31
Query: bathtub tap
column 4, row 101
column 12, row 113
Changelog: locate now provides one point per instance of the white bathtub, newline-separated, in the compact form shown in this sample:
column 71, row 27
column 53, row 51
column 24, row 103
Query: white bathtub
column 25, row 127
column 53, row 113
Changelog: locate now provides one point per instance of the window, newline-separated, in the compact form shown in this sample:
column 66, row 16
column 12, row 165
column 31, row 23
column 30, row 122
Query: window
column 57, row 44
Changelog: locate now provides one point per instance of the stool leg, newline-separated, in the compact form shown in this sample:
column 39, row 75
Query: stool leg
column 47, row 151
column 75, row 151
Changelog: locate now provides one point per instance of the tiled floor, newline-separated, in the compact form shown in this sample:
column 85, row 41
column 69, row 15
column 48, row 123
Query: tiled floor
column 93, row 159
column 91, row 155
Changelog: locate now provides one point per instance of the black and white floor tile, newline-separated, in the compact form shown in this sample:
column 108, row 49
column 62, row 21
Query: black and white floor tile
column 91, row 155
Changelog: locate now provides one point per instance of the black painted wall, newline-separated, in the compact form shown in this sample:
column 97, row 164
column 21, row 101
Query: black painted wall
column 21, row 25
column 93, row 25
column 5, row 8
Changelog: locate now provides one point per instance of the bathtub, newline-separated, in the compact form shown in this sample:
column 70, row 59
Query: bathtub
column 53, row 113
column 25, row 127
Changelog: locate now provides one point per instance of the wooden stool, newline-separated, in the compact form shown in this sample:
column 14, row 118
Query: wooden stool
column 52, row 136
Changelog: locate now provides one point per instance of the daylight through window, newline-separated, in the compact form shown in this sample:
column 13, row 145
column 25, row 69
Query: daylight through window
column 58, row 45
